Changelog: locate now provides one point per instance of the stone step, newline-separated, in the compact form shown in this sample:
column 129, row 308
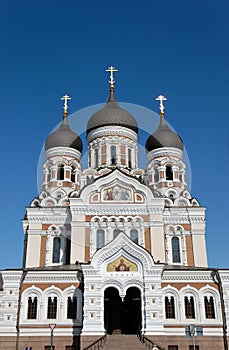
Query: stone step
column 122, row 341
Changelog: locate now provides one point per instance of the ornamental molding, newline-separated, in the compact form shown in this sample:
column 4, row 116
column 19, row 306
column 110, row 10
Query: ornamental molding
column 187, row 277
column 116, row 211
column 184, row 220
column 62, row 151
column 72, row 278
column 112, row 131
column 48, row 219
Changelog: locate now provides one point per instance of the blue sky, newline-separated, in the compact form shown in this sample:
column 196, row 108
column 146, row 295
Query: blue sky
column 177, row 48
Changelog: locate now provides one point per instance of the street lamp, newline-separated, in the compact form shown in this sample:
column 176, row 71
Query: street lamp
column 51, row 326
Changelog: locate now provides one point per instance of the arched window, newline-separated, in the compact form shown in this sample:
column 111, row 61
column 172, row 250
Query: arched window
column 169, row 172
column 32, row 308
column 100, row 238
column 209, row 307
column 56, row 250
column 134, row 236
column 73, row 174
column 189, row 307
column 60, row 172
column 176, row 249
column 96, row 158
column 89, row 158
column 156, row 175
column 52, row 307
column 116, row 232
column 129, row 158
column 113, row 155
column 71, row 309
column 169, row 307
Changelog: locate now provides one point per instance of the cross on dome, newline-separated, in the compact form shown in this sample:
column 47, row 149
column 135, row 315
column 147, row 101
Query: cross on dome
column 111, row 69
column 161, row 98
column 65, row 98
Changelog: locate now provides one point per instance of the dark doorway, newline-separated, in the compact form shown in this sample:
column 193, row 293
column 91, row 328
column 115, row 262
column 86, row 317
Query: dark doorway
column 123, row 317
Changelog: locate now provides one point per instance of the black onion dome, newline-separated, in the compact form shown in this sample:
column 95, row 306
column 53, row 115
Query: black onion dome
column 163, row 137
column 64, row 137
column 112, row 114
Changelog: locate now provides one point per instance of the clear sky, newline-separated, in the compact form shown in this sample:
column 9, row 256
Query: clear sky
column 177, row 48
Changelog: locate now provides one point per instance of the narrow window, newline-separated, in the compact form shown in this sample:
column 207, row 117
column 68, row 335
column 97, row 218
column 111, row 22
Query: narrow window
column 209, row 307
column 113, row 155
column 169, row 172
column 100, row 238
column 96, row 158
column 176, row 249
column 56, row 250
column 172, row 347
column 73, row 175
column 68, row 251
column 134, row 236
column 72, row 305
column 60, row 172
column 156, row 175
column 48, row 347
column 129, row 158
column 116, row 232
column 189, row 307
column 169, row 307
column 192, row 347
column 89, row 158
column 52, row 307
column 32, row 308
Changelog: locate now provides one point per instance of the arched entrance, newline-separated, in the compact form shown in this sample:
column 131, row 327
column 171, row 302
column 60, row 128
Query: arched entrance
column 122, row 316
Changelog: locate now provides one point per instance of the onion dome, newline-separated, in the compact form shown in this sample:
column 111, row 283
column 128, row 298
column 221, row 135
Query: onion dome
column 64, row 136
column 163, row 136
column 112, row 115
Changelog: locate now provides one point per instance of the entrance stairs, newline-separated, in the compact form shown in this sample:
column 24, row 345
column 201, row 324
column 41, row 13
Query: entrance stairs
column 123, row 342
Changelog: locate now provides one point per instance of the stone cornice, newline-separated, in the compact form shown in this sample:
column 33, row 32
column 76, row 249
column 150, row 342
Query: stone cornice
column 112, row 131
column 116, row 211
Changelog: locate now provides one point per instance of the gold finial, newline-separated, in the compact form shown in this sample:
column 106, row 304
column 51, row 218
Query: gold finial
column 65, row 98
column 161, row 98
column 111, row 69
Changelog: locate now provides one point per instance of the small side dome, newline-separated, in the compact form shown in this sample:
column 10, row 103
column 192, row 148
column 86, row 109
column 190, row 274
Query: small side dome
column 112, row 114
column 163, row 137
column 64, row 137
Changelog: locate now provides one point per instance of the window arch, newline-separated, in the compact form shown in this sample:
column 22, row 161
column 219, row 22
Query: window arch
column 60, row 172
column 176, row 250
column 113, row 155
column 71, row 307
column 100, row 238
column 169, row 307
column 209, row 307
column 52, row 307
column 56, row 250
column 169, row 172
column 96, row 160
column 116, row 232
column 32, row 308
column 134, row 235
column 73, row 174
column 129, row 158
column 189, row 307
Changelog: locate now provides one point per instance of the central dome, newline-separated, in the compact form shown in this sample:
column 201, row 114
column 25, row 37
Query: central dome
column 112, row 114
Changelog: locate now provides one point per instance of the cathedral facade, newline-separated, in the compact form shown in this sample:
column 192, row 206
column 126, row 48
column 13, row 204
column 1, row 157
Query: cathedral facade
column 114, row 249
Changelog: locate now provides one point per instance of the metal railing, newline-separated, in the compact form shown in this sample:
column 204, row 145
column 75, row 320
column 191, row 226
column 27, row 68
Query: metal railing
column 98, row 344
column 149, row 343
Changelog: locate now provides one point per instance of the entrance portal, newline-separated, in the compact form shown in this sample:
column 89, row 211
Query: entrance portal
column 122, row 316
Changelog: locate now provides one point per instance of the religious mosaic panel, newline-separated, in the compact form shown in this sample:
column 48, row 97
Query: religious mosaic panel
column 116, row 193
column 121, row 264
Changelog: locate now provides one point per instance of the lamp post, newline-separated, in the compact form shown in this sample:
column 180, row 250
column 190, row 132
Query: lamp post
column 192, row 330
column 51, row 326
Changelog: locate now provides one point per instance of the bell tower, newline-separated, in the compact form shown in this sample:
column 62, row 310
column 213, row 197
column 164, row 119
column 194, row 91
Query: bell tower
column 184, row 218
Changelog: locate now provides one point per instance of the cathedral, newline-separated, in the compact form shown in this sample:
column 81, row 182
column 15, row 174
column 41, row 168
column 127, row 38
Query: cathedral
column 114, row 250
